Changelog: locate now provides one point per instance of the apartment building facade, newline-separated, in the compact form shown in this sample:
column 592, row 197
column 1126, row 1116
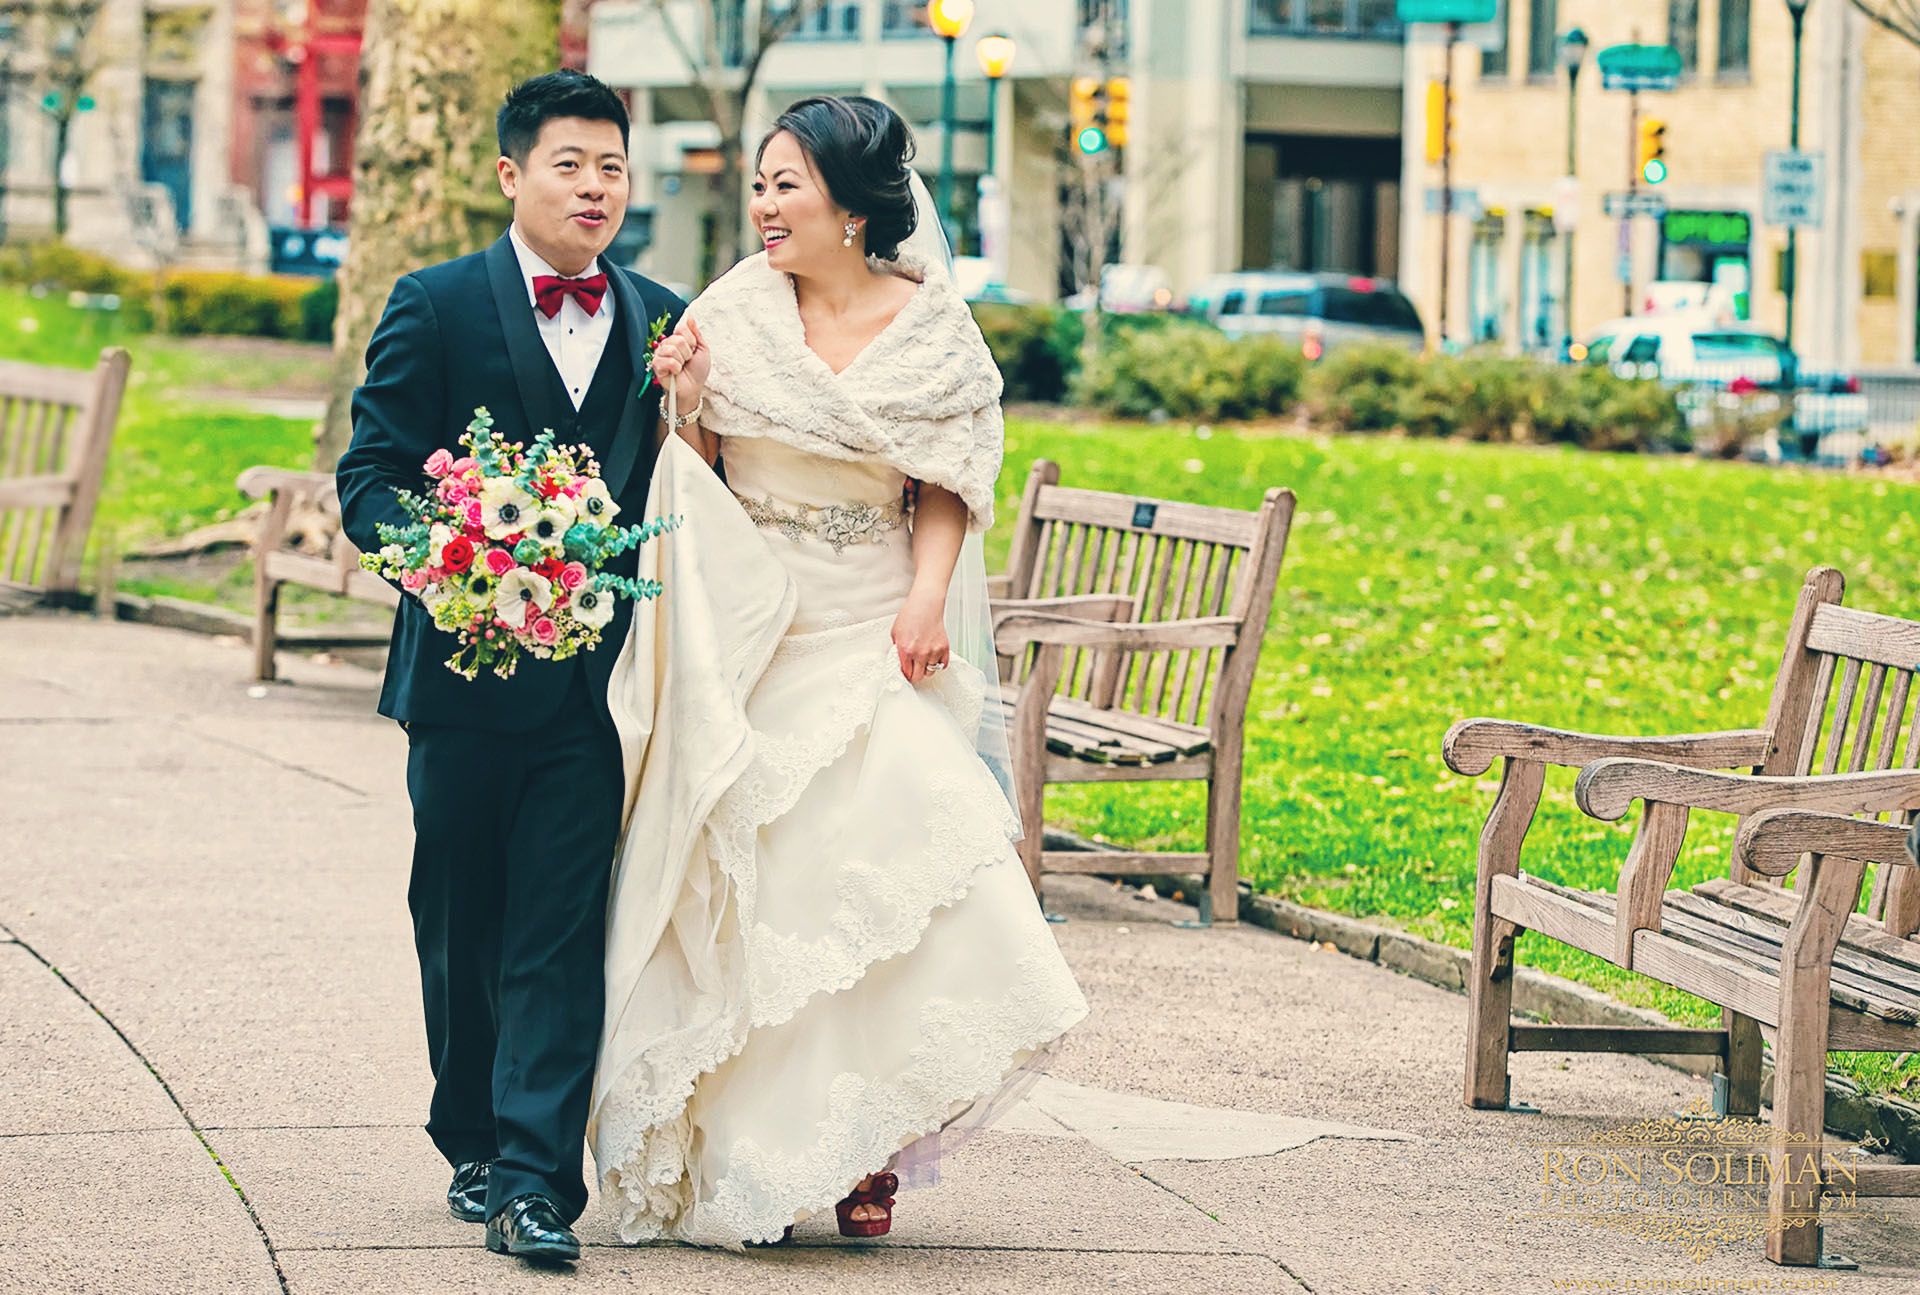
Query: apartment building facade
column 1858, row 291
column 1261, row 132
column 214, row 105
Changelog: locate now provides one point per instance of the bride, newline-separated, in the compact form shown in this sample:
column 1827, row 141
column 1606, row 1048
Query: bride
column 822, row 947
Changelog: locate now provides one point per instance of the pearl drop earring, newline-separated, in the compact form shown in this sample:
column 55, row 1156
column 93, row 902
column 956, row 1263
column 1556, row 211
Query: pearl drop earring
column 852, row 229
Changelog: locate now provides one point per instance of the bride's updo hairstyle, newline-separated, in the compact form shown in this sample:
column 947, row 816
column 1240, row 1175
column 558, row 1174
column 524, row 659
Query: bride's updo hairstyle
column 860, row 149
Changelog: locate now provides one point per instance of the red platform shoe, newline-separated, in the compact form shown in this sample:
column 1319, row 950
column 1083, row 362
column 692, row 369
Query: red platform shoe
column 878, row 1191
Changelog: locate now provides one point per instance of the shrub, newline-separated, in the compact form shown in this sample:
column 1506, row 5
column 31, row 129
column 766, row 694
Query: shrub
column 197, row 301
column 1191, row 370
column 1027, row 344
column 1363, row 388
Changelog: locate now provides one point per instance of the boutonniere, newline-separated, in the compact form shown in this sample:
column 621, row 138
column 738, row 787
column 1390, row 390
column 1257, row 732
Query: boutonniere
column 655, row 331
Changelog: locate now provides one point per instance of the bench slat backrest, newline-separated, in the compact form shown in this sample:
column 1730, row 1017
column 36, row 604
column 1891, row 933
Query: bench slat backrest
column 56, row 426
column 1176, row 561
column 1843, row 705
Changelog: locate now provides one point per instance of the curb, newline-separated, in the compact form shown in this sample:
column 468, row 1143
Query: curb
column 1851, row 1113
column 205, row 618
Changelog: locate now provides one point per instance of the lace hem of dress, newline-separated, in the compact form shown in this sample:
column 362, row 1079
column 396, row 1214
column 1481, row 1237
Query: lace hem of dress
column 653, row 1092
column 966, row 1052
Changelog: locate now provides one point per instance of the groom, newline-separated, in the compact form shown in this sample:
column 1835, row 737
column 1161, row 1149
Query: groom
column 516, row 783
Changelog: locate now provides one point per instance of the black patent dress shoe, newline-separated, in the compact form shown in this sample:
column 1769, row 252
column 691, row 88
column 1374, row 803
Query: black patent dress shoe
column 530, row 1227
column 467, row 1193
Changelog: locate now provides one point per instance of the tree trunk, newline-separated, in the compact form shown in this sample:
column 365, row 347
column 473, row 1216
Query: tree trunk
column 432, row 74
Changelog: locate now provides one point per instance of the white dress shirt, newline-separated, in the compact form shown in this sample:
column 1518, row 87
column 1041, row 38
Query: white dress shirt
column 574, row 338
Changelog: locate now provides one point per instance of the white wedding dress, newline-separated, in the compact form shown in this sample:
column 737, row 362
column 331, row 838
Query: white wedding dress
column 822, row 944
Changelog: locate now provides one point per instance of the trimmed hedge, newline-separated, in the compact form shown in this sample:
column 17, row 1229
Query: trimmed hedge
column 1488, row 396
column 197, row 301
column 1190, row 370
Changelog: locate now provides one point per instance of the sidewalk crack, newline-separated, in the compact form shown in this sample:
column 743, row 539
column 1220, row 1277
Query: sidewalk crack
column 246, row 1203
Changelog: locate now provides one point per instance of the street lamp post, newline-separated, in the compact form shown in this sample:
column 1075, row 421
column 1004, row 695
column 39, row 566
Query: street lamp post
column 1573, row 51
column 1790, row 267
column 995, row 52
column 949, row 19
column 6, row 113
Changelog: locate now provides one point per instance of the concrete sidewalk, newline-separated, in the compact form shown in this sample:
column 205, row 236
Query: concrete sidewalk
column 212, row 1072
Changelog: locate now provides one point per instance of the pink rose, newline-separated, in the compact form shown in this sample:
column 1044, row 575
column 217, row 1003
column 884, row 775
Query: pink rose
column 463, row 466
column 499, row 561
column 454, row 491
column 475, row 517
column 440, row 462
column 545, row 632
column 414, row 580
column 572, row 576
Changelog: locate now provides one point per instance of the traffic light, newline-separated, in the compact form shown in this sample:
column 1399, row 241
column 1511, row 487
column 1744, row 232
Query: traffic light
column 1439, row 120
column 1088, row 111
column 1119, row 96
column 1653, row 150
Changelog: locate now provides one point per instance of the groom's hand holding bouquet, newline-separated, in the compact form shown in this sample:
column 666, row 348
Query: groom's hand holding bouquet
column 508, row 551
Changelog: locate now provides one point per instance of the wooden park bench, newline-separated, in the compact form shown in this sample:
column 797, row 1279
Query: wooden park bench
column 1129, row 630
column 1795, row 965
column 56, row 426
column 291, row 494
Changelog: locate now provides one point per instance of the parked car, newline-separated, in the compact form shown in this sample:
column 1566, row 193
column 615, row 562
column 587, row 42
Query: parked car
column 975, row 277
column 1319, row 310
column 1128, row 290
column 1715, row 361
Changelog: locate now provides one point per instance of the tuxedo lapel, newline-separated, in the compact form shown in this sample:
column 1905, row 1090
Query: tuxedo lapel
column 543, row 396
column 633, row 437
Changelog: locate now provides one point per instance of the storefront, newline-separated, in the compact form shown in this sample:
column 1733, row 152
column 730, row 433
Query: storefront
column 1710, row 247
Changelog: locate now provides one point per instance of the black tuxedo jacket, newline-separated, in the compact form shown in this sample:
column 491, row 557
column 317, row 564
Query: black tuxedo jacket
column 460, row 335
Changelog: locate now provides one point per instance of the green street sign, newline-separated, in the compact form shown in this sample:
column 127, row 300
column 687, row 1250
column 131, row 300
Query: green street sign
column 1409, row 11
column 1639, row 67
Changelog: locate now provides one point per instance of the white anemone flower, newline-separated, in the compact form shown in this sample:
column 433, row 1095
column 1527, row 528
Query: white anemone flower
column 434, row 597
column 595, row 504
column 505, row 508
column 549, row 528
column 592, row 607
column 521, row 593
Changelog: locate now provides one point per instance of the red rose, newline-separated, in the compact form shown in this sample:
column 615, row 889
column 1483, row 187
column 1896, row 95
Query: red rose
column 457, row 553
column 550, row 567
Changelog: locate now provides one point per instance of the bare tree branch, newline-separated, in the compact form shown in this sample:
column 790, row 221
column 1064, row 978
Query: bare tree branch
column 728, row 87
column 1901, row 17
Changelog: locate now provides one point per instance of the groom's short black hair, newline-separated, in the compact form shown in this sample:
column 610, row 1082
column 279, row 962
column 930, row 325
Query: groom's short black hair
column 566, row 93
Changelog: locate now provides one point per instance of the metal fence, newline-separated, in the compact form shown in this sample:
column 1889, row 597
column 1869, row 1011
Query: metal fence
column 1753, row 410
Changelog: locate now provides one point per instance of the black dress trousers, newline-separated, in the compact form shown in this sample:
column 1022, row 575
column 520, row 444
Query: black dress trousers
column 514, row 839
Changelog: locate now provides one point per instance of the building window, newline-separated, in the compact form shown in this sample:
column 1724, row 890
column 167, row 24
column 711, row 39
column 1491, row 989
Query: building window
column 1543, row 21
column 1486, row 306
column 1361, row 19
column 904, row 18
column 835, row 20
column 1493, row 62
column 1542, row 292
column 1736, row 24
column 1683, row 33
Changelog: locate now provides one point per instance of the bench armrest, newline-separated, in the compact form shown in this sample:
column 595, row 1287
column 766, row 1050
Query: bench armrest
column 1016, row 631
column 258, row 482
column 1607, row 788
column 999, row 586
column 1772, row 841
column 1472, row 745
column 1093, row 607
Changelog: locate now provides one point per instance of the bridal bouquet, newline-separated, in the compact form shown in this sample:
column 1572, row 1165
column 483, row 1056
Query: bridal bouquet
column 508, row 551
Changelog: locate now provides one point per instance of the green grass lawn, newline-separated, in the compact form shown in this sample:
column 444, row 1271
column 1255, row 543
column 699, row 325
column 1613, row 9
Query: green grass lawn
column 175, row 453
column 1430, row 581
column 1425, row 581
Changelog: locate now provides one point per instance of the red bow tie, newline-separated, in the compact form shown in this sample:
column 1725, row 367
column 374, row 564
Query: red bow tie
column 549, row 290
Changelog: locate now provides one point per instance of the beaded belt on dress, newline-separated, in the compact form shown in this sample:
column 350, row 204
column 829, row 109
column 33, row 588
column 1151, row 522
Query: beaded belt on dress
column 836, row 524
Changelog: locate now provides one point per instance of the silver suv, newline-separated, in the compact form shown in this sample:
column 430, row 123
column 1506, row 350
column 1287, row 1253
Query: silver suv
column 1319, row 311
